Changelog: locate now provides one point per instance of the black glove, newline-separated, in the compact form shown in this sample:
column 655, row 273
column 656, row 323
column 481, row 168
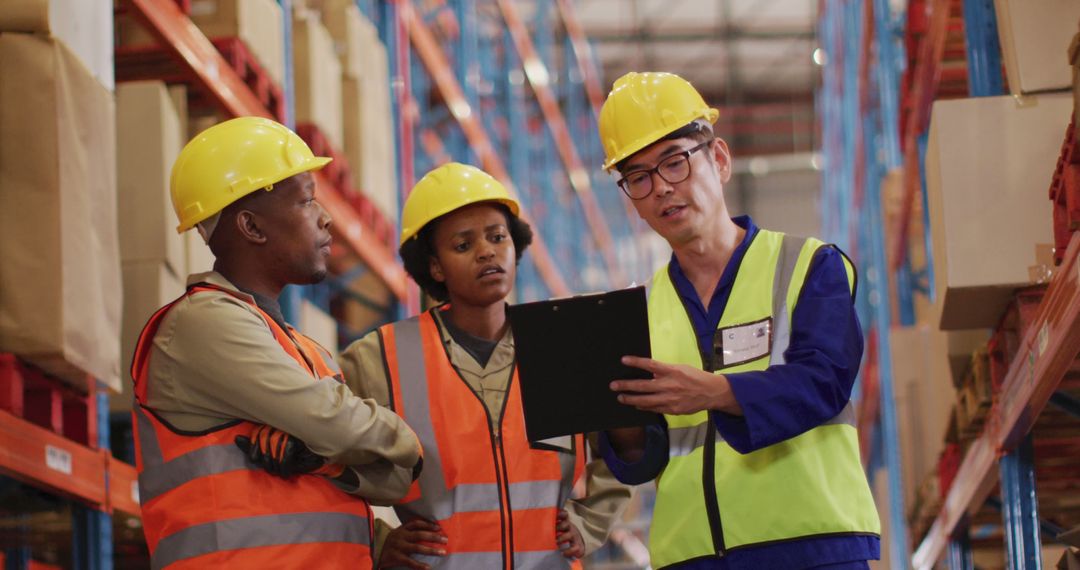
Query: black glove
column 279, row 453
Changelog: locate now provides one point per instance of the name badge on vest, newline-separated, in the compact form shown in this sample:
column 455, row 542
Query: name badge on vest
column 742, row 343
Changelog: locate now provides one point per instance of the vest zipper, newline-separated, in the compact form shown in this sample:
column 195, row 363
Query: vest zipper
column 708, row 480
column 504, row 496
column 708, row 460
column 501, row 478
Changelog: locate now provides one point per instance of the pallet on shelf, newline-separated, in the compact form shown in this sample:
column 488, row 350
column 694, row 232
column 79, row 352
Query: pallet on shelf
column 135, row 63
column 975, row 396
column 1065, row 192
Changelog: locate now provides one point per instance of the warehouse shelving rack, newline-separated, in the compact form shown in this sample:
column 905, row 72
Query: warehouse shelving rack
column 951, row 51
column 858, row 117
column 473, row 82
column 51, row 439
column 530, row 120
column 217, row 79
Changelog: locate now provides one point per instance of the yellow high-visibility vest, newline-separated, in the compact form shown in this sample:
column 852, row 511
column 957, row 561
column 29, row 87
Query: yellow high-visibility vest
column 712, row 499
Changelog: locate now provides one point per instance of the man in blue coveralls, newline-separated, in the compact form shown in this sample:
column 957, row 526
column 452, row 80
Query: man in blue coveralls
column 755, row 345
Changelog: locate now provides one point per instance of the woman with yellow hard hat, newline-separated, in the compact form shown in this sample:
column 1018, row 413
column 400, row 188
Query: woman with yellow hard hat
column 486, row 498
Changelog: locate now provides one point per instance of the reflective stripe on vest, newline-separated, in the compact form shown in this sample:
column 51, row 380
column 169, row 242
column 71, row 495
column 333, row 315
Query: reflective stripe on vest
column 204, row 505
column 810, row 485
column 494, row 496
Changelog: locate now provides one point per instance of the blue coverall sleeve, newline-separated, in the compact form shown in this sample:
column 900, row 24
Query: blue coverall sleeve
column 822, row 361
column 648, row 467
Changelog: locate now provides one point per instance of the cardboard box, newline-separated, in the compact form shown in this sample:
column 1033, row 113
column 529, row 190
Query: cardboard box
column 989, row 163
column 317, row 78
column 1035, row 39
column 319, row 325
column 148, row 139
column 60, row 291
column 1070, row 560
column 148, row 286
column 352, row 34
column 369, row 132
column 199, row 258
column 924, row 395
column 259, row 24
column 84, row 26
column 959, row 347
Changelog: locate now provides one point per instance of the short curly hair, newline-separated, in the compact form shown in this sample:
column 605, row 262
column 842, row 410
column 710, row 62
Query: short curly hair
column 417, row 252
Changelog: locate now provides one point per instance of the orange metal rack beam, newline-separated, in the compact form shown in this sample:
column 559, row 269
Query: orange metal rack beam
column 1046, row 353
column 538, row 77
column 582, row 53
column 443, row 76
column 123, row 492
column 212, row 72
column 35, row 455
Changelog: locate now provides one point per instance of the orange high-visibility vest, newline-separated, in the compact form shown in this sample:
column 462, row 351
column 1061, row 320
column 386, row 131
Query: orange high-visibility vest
column 205, row 506
column 494, row 496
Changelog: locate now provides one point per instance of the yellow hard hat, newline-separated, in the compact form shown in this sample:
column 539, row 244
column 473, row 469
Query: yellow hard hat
column 642, row 108
column 231, row 160
column 447, row 188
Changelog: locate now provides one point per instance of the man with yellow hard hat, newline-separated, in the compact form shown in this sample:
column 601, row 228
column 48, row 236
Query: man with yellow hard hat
column 755, row 346
column 251, row 450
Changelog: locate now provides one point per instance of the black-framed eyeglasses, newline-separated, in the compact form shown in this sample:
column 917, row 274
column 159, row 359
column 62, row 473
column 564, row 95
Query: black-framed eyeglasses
column 674, row 168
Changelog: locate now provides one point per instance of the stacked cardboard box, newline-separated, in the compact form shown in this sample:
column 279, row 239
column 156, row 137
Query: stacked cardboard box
column 1035, row 39
column 989, row 162
column 148, row 142
column 84, row 26
column 317, row 77
column 147, row 287
column 319, row 326
column 149, row 124
column 368, row 120
column 60, row 291
column 923, row 393
column 257, row 23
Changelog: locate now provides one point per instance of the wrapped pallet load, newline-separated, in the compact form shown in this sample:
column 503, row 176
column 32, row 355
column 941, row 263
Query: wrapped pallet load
column 84, row 26
column 60, row 291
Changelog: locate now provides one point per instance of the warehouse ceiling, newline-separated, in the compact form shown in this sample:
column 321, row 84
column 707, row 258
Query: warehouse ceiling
column 727, row 48
column 753, row 59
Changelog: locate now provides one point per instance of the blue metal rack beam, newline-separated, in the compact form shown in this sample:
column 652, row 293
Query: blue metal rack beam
column 1022, row 536
column 859, row 116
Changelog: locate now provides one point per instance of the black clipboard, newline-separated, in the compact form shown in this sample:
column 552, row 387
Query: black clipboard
column 569, row 350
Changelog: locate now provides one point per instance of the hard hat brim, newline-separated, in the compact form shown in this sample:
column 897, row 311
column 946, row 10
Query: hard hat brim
column 710, row 114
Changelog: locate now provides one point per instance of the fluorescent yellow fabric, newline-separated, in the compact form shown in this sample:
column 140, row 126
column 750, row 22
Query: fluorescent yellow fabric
column 812, row 484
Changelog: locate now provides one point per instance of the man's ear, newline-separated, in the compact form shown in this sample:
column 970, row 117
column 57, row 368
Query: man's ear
column 435, row 268
column 249, row 226
column 723, row 159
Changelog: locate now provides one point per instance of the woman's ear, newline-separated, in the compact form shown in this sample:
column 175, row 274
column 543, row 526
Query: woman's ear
column 435, row 268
